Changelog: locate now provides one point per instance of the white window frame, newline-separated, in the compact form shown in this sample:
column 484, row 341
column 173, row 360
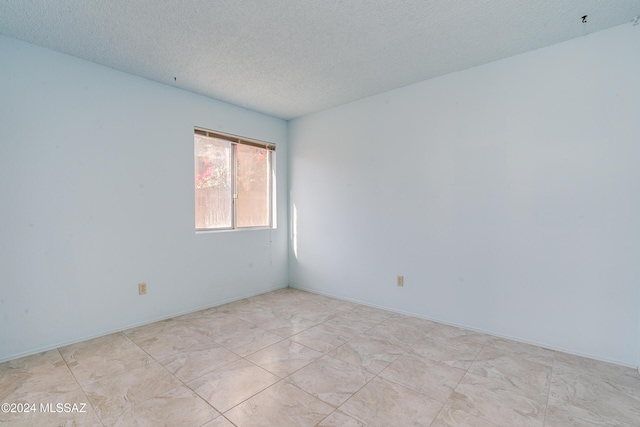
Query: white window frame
column 236, row 140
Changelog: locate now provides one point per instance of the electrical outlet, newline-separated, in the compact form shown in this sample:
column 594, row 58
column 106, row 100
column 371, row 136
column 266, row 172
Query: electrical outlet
column 142, row 288
column 400, row 280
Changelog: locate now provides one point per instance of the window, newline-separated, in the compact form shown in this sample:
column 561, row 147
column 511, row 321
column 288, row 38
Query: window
column 233, row 181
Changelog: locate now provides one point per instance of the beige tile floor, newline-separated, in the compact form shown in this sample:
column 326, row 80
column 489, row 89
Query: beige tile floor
column 291, row 358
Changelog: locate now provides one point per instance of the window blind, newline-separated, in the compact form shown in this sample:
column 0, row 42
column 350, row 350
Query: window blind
column 236, row 139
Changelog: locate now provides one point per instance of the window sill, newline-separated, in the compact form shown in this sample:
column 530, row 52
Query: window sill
column 227, row 230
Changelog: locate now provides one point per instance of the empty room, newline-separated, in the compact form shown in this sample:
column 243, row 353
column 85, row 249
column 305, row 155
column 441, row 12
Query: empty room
column 320, row 213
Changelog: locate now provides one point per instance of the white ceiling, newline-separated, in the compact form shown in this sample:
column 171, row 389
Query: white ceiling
column 288, row 58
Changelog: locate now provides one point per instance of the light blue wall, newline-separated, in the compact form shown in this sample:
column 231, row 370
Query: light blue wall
column 96, row 183
column 508, row 195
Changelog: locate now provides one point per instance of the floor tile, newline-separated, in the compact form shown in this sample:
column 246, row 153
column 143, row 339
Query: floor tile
column 256, row 314
column 273, row 297
column 37, row 376
column 515, row 372
column 171, row 340
column 284, row 358
column 449, row 332
column 286, row 325
column 282, row 296
column 594, row 397
column 570, row 416
column 340, row 419
column 433, row 379
column 150, row 331
column 208, row 313
column 370, row 353
column 239, row 306
column 176, row 407
column 248, row 341
column 343, row 329
column 282, row 405
column 381, row 404
column 331, row 380
column 371, row 313
column 450, row 351
column 396, row 333
column 422, row 325
column 621, row 375
column 356, row 322
column 321, row 338
column 221, row 421
column 495, row 403
column 189, row 365
column 503, row 347
column 46, row 412
column 103, row 357
column 112, row 396
column 35, row 363
column 232, row 384
column 218, row 326
column 449, row 417
column 317, row 314
column 236, row 335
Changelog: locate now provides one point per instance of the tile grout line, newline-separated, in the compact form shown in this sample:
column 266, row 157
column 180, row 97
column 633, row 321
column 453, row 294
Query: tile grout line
column 239, row 358
column 222, row 366
column 174, row 376
column 459, row 381
column 333, row 350
column 376, row 375
column 546, row 407
column 80, row 387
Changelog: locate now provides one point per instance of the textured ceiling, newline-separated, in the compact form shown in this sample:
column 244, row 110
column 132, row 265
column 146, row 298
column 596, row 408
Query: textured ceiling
column 288, row 58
